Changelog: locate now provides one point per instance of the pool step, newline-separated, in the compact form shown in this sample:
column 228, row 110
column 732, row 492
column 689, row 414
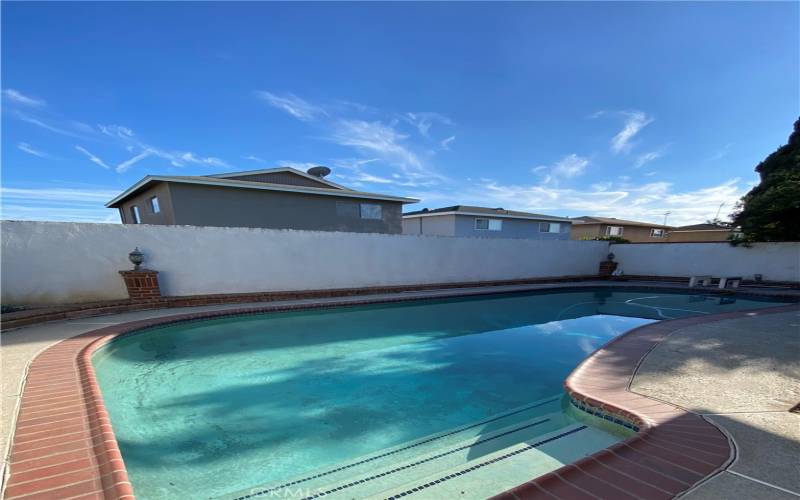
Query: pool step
column 468, row 441
column 503, row 469
column 395, row 474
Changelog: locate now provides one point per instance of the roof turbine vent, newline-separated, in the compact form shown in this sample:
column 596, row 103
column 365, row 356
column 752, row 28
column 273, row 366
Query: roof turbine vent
column 319, row 171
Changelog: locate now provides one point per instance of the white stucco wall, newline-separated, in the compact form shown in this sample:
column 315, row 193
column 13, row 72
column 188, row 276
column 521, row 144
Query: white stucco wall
column 54, row 262
column 775, row 261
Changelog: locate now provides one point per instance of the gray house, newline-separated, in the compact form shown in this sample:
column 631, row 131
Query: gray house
column 462, row 220
column 281, row 198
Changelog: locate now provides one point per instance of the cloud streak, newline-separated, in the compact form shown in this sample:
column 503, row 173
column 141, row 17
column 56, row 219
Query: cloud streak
column 635, row 121
column 94, row 159
column 19, row 98
column 295, row 106
column 27, row 148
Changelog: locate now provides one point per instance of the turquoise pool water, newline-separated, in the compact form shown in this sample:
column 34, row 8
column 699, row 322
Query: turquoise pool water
column 207, row 408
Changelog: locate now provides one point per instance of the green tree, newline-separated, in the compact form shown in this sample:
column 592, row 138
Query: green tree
column 771, row 210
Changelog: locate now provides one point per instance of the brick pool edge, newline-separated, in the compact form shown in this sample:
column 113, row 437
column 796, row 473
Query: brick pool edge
column 64, row 445
column 673, row 451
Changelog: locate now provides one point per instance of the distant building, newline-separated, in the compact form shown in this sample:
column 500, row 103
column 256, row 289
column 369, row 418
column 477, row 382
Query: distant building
column 463, row 220
column 636, row 232
column 280, row 198
column 700, row 232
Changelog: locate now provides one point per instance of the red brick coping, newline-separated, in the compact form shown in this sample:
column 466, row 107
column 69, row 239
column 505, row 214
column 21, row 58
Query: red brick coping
column 34, row 316
column 674, row 449
column 64, row 445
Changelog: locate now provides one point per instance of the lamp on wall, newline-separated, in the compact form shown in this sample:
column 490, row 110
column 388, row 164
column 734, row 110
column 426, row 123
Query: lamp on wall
column 136, row 257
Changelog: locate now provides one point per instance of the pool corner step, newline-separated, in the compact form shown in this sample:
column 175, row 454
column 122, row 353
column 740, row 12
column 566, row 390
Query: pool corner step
column 394, row 474
column 504, row 469
column 366, row 465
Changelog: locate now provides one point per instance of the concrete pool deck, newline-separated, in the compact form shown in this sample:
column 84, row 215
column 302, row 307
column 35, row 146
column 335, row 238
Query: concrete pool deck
column 23, row 345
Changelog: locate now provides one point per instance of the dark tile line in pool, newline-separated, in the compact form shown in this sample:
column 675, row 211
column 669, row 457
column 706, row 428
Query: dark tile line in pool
column 410, row 465
column 528, row 447
column 398, row 450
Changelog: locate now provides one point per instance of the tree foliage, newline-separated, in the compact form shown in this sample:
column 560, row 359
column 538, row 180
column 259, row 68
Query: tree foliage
column 771, row 210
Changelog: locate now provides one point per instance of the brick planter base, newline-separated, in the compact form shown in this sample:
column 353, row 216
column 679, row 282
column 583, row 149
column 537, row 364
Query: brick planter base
column 607, row 267
column 142, row 284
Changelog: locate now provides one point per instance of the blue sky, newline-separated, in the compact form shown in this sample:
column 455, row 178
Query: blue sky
column 615, row 109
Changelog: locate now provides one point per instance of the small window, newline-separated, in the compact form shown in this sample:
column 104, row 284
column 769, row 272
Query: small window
column 154, row 206
column 656, row 233
column 549, row 227
column 347, row 209
column 137, row 219
column 614, row 231
column 371, row 211
column 488, row 224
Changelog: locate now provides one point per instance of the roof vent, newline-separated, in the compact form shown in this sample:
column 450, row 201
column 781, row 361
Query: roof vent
column 319, row 171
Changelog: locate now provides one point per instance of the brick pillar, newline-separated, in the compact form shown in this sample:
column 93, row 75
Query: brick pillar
column 607, row 267
column 142, row 284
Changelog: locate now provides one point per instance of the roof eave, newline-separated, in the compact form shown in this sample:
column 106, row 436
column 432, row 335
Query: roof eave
column 346, row 193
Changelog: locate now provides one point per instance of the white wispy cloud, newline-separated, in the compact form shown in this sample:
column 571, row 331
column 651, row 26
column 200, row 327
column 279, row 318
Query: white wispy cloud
column 445, row 143
column 567, row 167
column 635, row 121
column 645, row 202
column 127, row 164
column 94, row 159
column 24, row 146
column 211, row 161
column 19, row 98
column 57, row 204
column 646, row 158
column 721, row 153
column 295, row 106
column 376, row 138
column 424, row 120
column 254, row 158
column 50, row 127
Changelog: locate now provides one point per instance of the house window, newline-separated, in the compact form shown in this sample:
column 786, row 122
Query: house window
column 656, row 233
column 371, row 211
column 614, row 231
column 488, row 224
column 347, row 209
column 154, row 206
column 135, row 215
column 549, row 227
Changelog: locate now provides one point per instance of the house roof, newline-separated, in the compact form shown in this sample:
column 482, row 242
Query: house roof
column 493, row 212
column 702, row 227
column 338, row 191
column 277, row 171
column 614, row 221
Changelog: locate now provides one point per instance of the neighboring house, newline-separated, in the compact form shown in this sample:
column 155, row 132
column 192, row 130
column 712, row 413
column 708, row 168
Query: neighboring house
column 462, row 220
column 281, row 198
column 636, row 232
column 700, row 232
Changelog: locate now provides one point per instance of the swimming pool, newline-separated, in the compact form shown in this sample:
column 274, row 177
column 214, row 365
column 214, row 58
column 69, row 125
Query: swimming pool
column 359, row 401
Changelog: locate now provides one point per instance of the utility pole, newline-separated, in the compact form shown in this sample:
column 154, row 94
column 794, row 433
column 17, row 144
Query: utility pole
column 665, row 217
column 716, row 218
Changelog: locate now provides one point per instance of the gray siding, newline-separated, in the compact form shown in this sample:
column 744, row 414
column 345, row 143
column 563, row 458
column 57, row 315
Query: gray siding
column 201, row 205
column 440, row 225
column 142, row 200
column 464, row 225
column 281, row 178
column 512, row 228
